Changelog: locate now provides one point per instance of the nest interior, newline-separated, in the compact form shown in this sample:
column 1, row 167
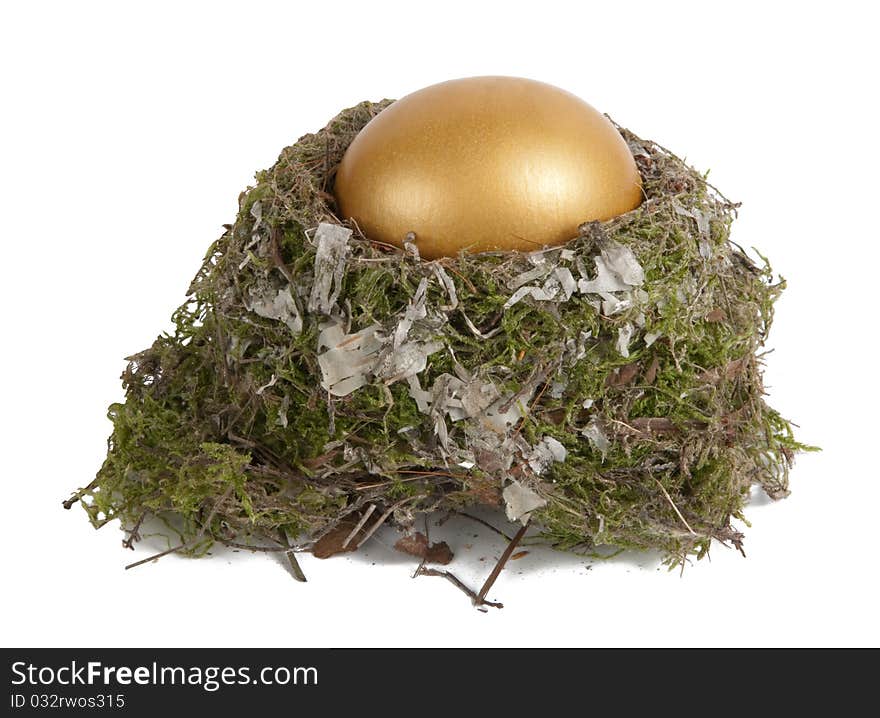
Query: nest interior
column 609, row 388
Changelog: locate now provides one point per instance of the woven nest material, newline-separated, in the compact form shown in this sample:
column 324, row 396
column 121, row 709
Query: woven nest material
column 319, row 384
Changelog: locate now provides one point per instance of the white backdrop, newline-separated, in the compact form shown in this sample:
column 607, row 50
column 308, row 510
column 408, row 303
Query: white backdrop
column 126, row 134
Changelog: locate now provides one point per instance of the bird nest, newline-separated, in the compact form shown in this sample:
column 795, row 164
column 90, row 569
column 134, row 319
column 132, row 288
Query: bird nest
column 319, row 384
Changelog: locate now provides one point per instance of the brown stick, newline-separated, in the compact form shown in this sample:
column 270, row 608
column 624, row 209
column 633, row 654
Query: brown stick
column 481, row 596
column 155, row 556
column 458, row 583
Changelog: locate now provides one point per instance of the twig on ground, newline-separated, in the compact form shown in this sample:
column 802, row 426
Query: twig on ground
column 455, row 581
column 481, row 596
column 157, row 556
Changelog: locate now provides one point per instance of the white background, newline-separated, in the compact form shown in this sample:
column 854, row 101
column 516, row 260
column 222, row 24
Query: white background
column 126, row 134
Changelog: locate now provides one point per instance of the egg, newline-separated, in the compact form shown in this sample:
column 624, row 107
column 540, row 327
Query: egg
column 485, row 163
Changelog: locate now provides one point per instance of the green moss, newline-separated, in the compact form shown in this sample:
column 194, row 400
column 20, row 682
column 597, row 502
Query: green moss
column 226, row 431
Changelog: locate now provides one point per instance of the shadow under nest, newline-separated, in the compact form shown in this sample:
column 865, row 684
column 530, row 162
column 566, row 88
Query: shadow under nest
column 614, row 382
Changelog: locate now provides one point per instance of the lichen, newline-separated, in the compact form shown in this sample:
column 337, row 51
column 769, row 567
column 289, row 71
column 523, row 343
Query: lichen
column 649, row 389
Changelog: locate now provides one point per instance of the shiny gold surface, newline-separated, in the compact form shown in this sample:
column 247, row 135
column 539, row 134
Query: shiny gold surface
column 485, row 163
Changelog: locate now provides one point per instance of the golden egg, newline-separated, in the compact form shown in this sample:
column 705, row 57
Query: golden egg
column 485, row 163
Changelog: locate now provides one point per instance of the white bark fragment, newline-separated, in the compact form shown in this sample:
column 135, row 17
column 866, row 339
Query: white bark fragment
column 620, row 259
column 531, row 275
column 593, row 432
column 330, row 260
column 576, row 350
column 703, row 226
column 557, row 389
column 545, row 453
column 611, row 305
column 447, row 283
column 415, row 310
column 420, row 396
column 618, row 274
column 268, row 384
column 281, row 420
column 559, row 286
column 500, row 417
column 279, row 305
column 624, row 336
column 348, row 359
column 520, row 501
column 607, row 280
column 537, row 293
column 407, row 360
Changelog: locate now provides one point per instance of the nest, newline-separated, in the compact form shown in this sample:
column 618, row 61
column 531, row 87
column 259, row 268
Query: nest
column 319, row 384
